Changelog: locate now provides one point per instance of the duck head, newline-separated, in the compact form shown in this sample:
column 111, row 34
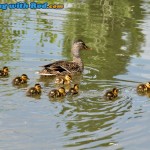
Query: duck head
column 68, row 78
column 24, row 77
column 115, row 91
column 38, row 87
column 148, row 84
column 76, row 87
column 62, row 91
column 5, row 70
column 79, row 44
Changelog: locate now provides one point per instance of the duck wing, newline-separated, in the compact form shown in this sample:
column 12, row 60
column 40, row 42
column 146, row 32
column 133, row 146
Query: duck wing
column 17, row 81
column 60, row 67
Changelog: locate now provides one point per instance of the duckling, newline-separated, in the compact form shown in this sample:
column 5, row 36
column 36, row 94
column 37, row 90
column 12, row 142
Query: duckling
column 53, row 93
column 73, row 90
column 62, row 91
column 4, row 72
column 36, row 90
column 20, row 80
column 57, row 92
column 143, row 87
column 64, row 79
column 110, row 95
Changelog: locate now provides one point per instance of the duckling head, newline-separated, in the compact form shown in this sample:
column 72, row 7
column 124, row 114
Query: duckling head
column 62, row 90
column 38, row 87
column 115, row 91
column 148, row 84
column 5, row 69
column 24, row 77
column 68, row 77
column 76, row 87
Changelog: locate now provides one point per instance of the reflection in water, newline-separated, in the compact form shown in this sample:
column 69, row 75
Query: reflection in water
column 32, row 38
column 109, row 28
column 91, row 122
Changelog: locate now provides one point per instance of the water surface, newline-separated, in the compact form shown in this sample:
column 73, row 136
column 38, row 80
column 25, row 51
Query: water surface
column 118, row 33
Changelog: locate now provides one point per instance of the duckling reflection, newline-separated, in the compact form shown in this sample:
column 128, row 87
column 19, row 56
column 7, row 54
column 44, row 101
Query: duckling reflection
column 4, row 72
column 111, row 94
column 46, row 80
column 20, row 80
column 33, row 91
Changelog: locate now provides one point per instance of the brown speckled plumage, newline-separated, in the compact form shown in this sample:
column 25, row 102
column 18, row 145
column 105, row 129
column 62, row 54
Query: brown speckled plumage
column 143, row 87
column 57, row 93
column 111, row 94
column 20, row 80
column 4, row 72
column 33, row 91
column 62, row 67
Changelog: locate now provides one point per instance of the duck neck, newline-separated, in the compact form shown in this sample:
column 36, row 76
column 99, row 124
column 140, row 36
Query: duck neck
column 77, row 58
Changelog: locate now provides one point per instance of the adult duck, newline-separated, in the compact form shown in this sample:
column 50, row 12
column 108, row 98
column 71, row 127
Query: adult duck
column 63, row 67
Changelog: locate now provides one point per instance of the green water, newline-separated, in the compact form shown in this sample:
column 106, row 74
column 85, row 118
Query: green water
column 118, row 33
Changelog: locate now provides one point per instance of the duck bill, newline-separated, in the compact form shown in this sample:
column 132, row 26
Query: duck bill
column 86, row 47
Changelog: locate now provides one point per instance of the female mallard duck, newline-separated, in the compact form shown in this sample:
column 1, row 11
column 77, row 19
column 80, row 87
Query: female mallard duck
column 57, row 93
column 143, row 87
column 20, row 80
column 4, row 72
column 73, row 90
column 67, row 79
column 33, row 91
column 65, row 67
column 111, row 94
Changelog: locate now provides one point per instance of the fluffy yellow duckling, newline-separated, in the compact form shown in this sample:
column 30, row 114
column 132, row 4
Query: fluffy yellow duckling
column 4, row 72
column 110, row 95
column 33, row 91
column 67, row 79
column 143, row 87
column 20, row 80
column 74, row 90
column 57, row 92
